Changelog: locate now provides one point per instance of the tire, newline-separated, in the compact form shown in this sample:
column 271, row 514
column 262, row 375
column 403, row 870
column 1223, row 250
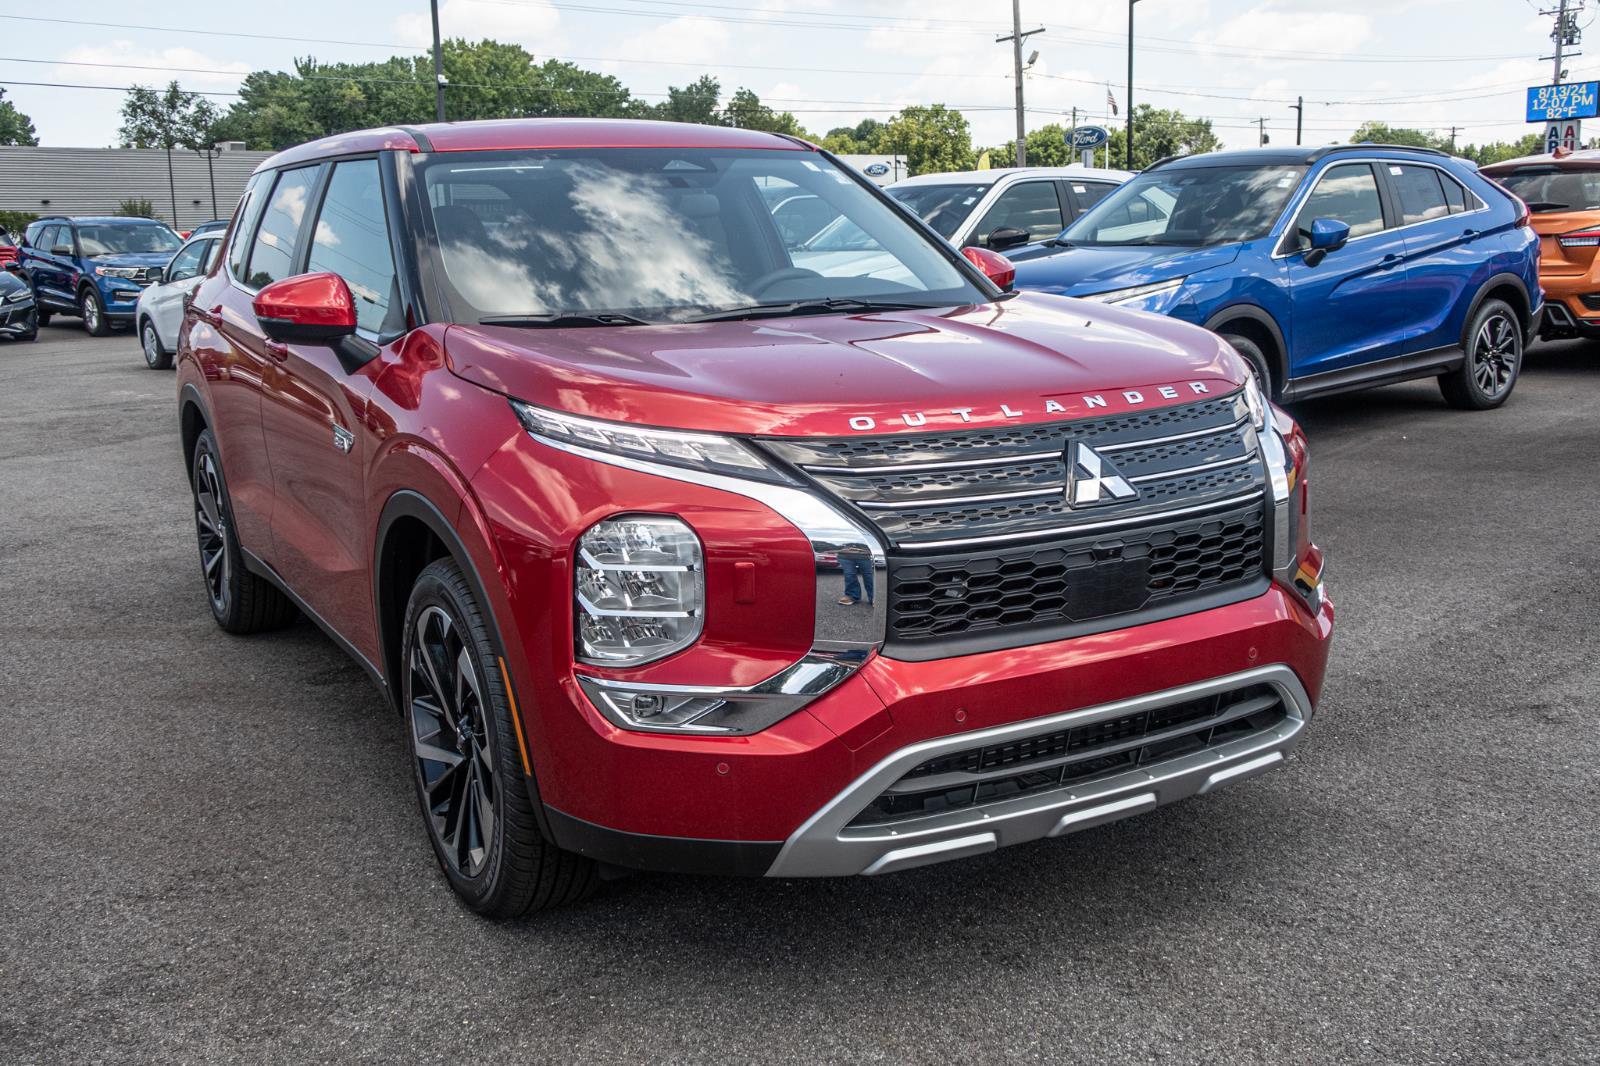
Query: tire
column 1493, row 344
column 155, row 356
column 465, row 759
column 241, row 602
column 94, row 313
column 43, row 316
column 1257, row 359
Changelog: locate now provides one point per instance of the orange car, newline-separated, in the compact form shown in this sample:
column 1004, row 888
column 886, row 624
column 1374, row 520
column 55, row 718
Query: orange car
column 1563, row 192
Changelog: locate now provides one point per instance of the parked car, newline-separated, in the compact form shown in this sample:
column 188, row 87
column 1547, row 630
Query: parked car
column 701, row 560
column 8, row 248
column 1329, row 268
column 1562, row 192
column 216, row 225
column 94, row 267
column 1008, row 208
column 19, row 320
column 159, row 312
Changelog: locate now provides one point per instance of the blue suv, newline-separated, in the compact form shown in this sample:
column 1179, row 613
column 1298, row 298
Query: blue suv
column 94, row 268
column 1329, row 268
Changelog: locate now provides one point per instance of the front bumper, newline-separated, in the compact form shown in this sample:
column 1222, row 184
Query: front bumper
column 782, row 802
column 18, row 321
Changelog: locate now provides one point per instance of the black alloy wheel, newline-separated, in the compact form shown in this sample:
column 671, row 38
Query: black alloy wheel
column 467, row 760
column 1493, row 360
column 451, row 736
column 211, row 527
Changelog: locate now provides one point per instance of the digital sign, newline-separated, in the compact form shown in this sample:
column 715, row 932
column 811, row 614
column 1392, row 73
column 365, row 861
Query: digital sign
column 1573, row 99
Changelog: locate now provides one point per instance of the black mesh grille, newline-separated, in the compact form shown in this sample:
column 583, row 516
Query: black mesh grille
column 1072, row 756
column 1079, row 580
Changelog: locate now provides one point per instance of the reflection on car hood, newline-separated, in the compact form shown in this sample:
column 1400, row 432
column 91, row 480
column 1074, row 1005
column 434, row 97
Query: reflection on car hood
column 1033, row 358
column 1081, row 271
column 133, row 259
column 10, row 283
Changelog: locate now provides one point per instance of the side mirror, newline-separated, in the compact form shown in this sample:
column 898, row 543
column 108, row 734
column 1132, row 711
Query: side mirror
column 61, row 249
column 309, row 309
column 1007, row 237
column 996, row 267
column 1329, row 234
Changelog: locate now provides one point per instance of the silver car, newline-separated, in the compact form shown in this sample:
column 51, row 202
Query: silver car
column 1007, row 208
column 159, row 313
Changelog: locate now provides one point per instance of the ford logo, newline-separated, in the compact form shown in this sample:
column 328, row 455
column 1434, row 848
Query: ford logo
column 1086, row 137
column 875, row 170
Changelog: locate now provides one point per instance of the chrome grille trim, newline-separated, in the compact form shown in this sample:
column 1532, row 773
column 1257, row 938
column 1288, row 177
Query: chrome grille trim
column 913, row 468
column 957, row 501
column 1162, row 475
column 1062, row 531
column 1154, row 441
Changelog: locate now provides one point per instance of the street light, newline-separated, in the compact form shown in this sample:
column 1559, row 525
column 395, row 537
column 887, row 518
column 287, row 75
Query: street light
column 1129, row 145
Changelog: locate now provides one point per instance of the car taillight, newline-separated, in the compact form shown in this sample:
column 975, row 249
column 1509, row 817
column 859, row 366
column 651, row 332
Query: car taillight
column 1524, row 216
column 639, row 589
column 1583, row 238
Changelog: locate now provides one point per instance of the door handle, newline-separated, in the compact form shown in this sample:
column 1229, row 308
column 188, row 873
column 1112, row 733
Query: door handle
column 277, row 350
column 1391, row 258
column 1469, row 233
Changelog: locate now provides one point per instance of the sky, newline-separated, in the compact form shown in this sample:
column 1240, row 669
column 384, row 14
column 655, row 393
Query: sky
column 1431, row 64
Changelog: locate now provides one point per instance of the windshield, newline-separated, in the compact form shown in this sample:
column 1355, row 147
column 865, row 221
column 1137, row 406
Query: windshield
column 944, row 207
column 123, row 238
column 671, row 234
column 1190, row 206
column 1555, row 190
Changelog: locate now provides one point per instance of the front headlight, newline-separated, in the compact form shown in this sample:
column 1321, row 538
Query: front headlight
column 639, row 590
column 697, row 451
column 131, row 273
column 1255, row 402
column 1140, row 297
column 18, row 296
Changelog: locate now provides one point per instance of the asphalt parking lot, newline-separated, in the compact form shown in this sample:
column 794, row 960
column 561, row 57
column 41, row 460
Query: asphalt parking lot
column 213, row 851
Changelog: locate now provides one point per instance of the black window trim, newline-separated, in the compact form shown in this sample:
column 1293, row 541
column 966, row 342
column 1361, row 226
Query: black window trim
column 319, row 199
column 1391, row 207
column 974, row 237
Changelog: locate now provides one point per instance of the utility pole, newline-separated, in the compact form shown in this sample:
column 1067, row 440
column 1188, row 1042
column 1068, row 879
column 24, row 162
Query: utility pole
column 1016, row 38
column 1299, row 106
column 210, row 151
column 1129, row 161
column 1261, row 132
column 438, row 65
column 1565, row 33
column 1453, row 131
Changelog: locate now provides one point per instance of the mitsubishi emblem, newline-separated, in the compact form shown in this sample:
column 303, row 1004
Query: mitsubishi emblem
column 1091, row 479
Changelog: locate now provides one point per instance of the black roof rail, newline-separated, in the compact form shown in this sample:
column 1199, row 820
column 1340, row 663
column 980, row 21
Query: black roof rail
column 1163, row 160
column 52, row 218
column 1361, row 146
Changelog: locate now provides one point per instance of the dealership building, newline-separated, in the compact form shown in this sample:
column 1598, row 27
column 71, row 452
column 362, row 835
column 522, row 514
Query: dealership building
column 95, row 181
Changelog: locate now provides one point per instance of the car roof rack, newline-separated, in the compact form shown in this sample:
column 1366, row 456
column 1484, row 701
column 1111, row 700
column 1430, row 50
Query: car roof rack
column 52, row 218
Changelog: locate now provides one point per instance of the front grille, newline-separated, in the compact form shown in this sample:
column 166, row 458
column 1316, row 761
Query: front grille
column 1073, row 756
column 985, row 550
column 1074, row 580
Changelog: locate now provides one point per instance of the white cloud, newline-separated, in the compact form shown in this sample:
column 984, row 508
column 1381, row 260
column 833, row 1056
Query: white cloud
column 690, row 39
column 147, row 66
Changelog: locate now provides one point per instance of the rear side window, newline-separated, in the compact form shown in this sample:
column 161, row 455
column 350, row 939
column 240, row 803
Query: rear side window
column 352, row 240
column 1421, row 194
column 1454, row 195
column 249, row 211
column 1349, row 193
column 272, row 253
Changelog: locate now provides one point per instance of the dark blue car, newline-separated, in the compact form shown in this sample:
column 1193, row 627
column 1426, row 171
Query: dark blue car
column 94, row 268
column 1329, row 268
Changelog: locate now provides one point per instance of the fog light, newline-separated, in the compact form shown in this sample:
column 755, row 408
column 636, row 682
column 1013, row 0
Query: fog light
column 639, row 587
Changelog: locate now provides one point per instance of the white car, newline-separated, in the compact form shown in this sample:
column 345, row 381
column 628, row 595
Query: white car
column 159, row 312
column 1009, row 208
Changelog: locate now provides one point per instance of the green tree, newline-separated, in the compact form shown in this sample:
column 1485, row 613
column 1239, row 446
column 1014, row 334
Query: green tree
column 1500, row 151
column 746, row 111
column 864, row 138
column 933, row 139
column 138, row 207
column 1158, row 133
column 1047, row 147
column 695, row 102
column 15, row 127
column 1383, row 133
column 168, row 118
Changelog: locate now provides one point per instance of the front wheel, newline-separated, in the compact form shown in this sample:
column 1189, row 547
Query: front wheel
column 1493, row 360
column 155, row 356
column 466, row 758
column 1253, row 355
column 94, row 314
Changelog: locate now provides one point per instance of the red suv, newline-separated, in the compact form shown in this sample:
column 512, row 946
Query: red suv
column 681, row 546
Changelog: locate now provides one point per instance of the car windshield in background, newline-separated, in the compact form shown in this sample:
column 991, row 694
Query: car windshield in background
column 1190, row 207
column 670, row 235
column 944, row 207
column 1551, row 190
column 124, row 238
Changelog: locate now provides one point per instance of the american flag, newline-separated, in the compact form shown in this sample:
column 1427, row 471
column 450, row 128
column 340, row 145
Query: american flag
column 1111, row 101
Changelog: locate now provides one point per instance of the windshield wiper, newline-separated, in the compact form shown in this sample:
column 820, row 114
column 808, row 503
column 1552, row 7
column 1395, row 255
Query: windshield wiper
column 562, row 319
column 807, row 307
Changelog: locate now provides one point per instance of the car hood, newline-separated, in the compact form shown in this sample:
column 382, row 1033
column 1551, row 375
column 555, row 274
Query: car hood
column 1081, row 271
column 133, row 259
column 1033, row 358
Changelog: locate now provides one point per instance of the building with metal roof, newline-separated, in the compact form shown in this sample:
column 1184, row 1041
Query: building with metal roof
column 95, row 181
